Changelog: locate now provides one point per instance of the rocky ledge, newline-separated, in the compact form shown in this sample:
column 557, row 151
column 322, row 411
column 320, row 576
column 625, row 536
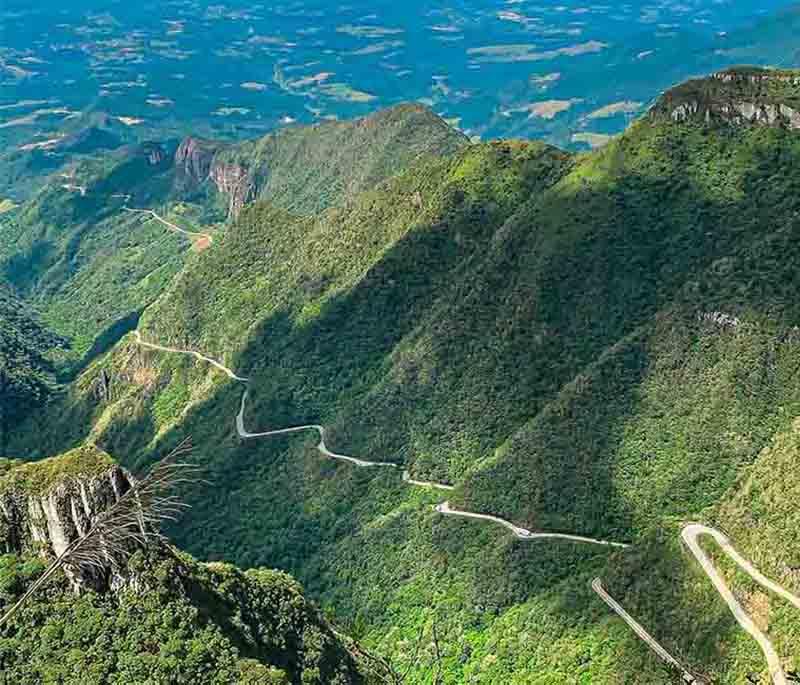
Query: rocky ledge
column 198, row 161
column 738, row 97
column 46, row 505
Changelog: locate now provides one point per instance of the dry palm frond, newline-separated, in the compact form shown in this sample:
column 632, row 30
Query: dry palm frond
column 129, row 524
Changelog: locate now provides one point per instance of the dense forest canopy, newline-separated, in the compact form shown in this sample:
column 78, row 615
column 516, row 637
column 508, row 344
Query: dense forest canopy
column 26, row 373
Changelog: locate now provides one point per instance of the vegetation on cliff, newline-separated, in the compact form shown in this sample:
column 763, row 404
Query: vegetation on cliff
column 601, row 344
column 168, row 618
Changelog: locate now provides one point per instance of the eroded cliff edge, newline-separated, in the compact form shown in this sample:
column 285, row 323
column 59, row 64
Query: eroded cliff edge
column 737, row 96
column 47, row 505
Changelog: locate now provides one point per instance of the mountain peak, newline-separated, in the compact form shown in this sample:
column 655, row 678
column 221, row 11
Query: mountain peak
column 737, row 96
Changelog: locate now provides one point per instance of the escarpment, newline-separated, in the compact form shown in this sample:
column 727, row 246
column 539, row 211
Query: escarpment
column 198, row 161
column 305, row 170
column 737, row 97
column 194, row 159
column 45, row 506
column 236, row 183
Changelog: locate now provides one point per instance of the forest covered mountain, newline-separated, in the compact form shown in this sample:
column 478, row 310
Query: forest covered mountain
column 163, row 617
column 602, row 345
column 26, row 372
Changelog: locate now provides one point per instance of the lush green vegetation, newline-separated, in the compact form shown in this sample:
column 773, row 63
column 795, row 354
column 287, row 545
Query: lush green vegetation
column 26, row 374
column 89, row 267
column 168, row 618
column 38, row 478
column 601, row 344
column 93, row 268
column 181, row 621
column 308, row 169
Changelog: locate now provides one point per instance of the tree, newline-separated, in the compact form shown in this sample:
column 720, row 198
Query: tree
column 131, row 523
column 26, row 374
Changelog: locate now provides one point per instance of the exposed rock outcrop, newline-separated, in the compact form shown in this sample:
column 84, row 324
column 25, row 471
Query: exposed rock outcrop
column 198, row 161
column 738, row 97
column 154, row 154
column 46, row 520
column 305, row 170
column 236, row 183
column 741, row 113
column 193, row 159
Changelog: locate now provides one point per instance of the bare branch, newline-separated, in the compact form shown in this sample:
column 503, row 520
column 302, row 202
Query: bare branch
column 131, row 523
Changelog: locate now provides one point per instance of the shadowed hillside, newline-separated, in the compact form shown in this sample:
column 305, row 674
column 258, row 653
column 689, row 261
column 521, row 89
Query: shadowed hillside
column 602, row 344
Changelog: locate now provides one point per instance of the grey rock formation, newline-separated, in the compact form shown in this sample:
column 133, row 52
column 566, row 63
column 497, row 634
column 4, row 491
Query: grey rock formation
column 48, row 523
column 739, row 98
column 198, row 161
column 236, row 183
column 193, row 159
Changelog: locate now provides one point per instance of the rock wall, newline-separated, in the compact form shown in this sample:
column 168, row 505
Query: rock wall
column 741, row 113
column 236, row 183
column 154, row 153
column 48, row 523
column 193, row 159
column 197, row 162
column 739, row 98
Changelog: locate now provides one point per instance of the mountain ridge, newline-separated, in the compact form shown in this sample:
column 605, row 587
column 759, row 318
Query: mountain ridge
column 737, row 96
column 522, row 323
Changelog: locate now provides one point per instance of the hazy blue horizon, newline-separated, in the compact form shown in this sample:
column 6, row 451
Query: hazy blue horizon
column 567, row 72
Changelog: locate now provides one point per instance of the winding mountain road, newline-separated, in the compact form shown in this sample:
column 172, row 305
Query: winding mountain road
column 170, row 225
column 638, row 628
column 425, row 483
column 173, row 350
column 689, row 534
column 444, row 508
column 243, row 433
column 523, row 533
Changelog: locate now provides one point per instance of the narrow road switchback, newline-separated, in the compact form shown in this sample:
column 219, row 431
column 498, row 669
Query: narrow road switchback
column 172, row 227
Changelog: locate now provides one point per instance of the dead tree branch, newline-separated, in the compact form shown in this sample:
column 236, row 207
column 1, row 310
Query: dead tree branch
column 131, row 523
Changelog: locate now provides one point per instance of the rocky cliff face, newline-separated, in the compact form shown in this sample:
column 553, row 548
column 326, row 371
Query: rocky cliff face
column 47, row 521
column 153, row 153
column 305, row 170
column 193, row 159
column 236, row 183
column 738, row 97
column 197, row 161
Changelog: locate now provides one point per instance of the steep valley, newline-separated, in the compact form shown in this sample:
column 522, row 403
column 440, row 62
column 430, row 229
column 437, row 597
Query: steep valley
column 602, row 345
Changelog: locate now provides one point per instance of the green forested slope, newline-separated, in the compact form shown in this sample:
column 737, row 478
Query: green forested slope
column 93, row 267
column 602, row 344
column 26, row 373
column 168, row 618
column 89, row 267
column 310, row 168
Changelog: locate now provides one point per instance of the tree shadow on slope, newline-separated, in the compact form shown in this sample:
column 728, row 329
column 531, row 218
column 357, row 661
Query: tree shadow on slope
column 329, row 367
column 556, row 473
column 631, row 277
column 507, row 332
column 103, row 343
column 267, row 618
column 331, row 341
column 414, row 368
